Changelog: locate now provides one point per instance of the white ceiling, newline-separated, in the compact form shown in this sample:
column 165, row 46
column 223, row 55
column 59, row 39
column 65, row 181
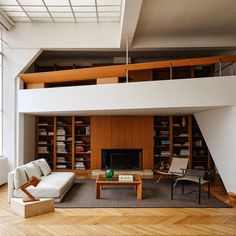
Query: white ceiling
column 62, row 10
column 169, row 23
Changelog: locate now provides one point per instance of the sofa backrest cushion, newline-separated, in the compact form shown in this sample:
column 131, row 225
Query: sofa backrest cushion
column 45, row 168
column 20, row 177
column 31, row 170
column 36, row 164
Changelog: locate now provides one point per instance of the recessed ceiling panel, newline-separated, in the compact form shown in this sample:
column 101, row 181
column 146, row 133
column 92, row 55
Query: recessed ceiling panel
column 62, row 10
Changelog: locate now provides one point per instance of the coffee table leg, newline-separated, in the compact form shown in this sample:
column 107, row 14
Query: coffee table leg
column 139, row 191
column 98, row 191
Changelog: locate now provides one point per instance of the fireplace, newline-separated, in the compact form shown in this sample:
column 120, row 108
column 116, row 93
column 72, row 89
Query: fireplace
column 122, row 159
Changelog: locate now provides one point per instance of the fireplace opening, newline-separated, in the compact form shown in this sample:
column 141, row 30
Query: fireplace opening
column 122, row 159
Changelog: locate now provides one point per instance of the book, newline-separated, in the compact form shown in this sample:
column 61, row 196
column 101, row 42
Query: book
column 128, row 178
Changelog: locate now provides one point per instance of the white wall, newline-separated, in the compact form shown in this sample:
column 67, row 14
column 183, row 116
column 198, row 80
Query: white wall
column 201, row 93
column 64, row 35
column 14, row 62
column 219, row 130
column 29, row 139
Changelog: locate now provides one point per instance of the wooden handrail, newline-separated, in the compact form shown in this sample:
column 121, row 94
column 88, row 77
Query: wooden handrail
column 117, row 70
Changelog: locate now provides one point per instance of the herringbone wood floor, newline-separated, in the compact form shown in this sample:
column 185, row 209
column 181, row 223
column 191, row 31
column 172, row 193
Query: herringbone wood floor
column 148, row 221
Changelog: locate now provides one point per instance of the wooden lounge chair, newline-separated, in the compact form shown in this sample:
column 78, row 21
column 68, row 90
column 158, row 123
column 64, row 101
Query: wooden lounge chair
column 178, row 165
column 194, row 176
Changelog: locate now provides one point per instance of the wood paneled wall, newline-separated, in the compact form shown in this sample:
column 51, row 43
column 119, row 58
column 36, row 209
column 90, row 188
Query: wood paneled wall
column 121, row 132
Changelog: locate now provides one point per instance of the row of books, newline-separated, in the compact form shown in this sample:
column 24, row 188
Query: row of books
column 198, row 143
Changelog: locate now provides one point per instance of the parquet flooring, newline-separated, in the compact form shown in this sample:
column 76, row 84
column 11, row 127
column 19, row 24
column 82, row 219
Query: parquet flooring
column 120, row 221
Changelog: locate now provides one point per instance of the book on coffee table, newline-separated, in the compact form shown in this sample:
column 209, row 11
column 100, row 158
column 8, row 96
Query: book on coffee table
column 128, row 178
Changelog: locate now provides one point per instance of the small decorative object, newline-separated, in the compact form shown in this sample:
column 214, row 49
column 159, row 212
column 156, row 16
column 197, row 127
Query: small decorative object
column 34, row 182
column 109, row 173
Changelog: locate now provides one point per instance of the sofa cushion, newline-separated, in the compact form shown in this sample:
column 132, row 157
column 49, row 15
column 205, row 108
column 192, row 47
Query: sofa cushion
column 51, row 186
column 44, row 167
column 36, row 164
column 31, row 170
column 20, row 177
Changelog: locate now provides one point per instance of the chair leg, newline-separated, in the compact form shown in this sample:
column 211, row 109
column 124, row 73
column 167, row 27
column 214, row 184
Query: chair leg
column 199, row 191
column 158, row 179
column 172, row 190
column 209, row 190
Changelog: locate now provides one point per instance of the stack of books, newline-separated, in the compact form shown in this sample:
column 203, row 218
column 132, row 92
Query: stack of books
column 128, row 178
column 164, row 133
column 184, row 152
column 61, row 160
column 42, row 142
column 78, row 122
column 43, row 149
column 61, row 147
column 42, row 132
column 165, row 142
column 61, row 166
column 165, row 153
column 43, row 124
column 79, row 149
column 79, row 165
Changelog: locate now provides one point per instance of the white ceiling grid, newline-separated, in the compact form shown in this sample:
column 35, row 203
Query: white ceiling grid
column 62, row 10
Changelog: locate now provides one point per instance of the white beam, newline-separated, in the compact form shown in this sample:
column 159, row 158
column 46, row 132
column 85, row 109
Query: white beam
column 130, row 15
column 5, row 20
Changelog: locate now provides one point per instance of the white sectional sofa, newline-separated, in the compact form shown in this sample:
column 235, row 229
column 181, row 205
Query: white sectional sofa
column 52, row 184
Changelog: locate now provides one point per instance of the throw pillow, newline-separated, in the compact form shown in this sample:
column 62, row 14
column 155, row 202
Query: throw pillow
column 19, row 177
column 45, row 168
column 31, row 170
column 36, row 164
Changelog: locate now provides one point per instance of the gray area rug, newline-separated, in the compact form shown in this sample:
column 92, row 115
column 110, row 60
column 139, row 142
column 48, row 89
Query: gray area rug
column 82, row 195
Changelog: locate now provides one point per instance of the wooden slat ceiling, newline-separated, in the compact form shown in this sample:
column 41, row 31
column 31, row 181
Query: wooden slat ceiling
column 117, row 70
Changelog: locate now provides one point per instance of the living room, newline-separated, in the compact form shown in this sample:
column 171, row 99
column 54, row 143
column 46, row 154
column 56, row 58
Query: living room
column 119, row 128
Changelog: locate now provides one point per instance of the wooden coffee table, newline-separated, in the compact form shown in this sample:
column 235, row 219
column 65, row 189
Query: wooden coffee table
column 102, row 180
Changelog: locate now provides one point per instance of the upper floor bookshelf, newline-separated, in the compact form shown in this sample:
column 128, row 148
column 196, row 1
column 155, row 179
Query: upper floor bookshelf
column 147, row 71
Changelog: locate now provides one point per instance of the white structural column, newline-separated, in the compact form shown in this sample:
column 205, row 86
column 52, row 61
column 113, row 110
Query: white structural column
column 15, row 61
column 219, row 130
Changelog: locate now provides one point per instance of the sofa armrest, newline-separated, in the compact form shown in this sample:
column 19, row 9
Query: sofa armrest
column 11, row 186
column 3, row 170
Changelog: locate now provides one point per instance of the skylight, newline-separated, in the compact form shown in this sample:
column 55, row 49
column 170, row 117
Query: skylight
column 62, row 10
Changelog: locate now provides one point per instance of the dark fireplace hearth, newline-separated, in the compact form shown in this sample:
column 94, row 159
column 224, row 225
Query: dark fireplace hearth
column 122, row 159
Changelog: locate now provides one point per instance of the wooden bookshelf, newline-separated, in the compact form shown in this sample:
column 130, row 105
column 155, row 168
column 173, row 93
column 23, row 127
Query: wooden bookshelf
column 58, row 138
column 65, row 141
column 179, row 136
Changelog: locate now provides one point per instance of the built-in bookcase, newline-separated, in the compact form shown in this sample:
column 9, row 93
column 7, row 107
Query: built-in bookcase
column 64, row 141
column 179, row 136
